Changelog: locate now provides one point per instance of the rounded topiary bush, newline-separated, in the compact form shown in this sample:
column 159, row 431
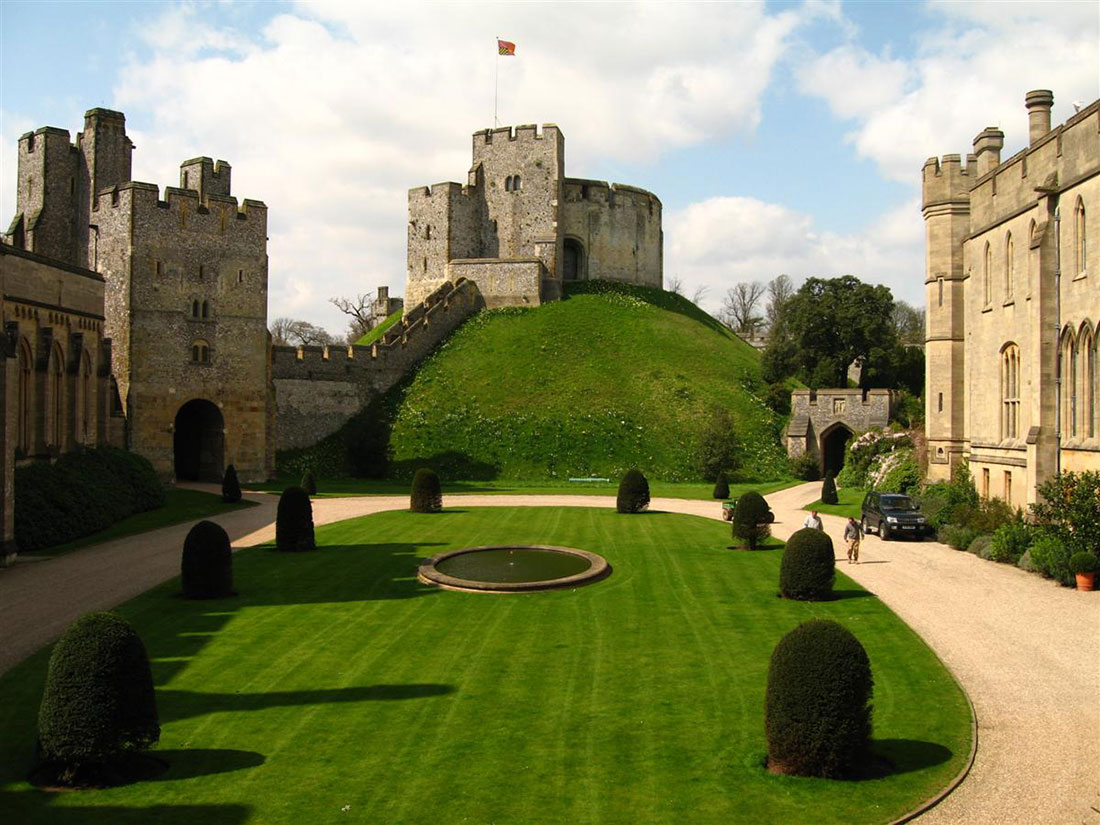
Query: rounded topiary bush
column 721, row 486
column 309, row 483
column 206, row 569
column 633, row 493
column 828, row 489
column 99, row 703
column 817, row 710
column 294, row 521
column 750, row 520
column 427, row 495
column 808, row 566
column 231, row 486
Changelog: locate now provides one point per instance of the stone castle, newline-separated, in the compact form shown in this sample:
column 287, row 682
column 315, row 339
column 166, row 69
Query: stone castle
column 1013, row 303
column 139, row 319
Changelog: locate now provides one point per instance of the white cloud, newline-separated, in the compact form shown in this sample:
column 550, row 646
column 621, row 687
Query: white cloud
column 718, row 242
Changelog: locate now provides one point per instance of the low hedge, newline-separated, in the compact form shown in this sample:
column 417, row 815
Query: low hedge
column 83, row 492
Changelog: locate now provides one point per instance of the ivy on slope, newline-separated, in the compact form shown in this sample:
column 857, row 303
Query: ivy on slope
column 615, row 376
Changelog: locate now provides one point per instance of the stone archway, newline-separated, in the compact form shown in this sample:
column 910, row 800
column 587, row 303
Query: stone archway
column 572, row 260
column 199, row 442
column 834, row 443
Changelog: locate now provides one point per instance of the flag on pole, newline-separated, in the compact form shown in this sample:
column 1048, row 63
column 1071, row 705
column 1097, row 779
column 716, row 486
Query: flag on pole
column 504, row 47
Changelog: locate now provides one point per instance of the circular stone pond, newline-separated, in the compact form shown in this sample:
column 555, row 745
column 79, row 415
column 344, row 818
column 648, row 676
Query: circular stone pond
column 513, row 569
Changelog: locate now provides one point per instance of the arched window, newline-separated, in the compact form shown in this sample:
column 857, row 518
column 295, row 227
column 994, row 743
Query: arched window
column 56, row 377
column 508, row 184
column 1087, row 381
column 205, row 310
column 1032, row 259
column 1079, row 245
column 194, row 309
column 1010, row 391
column 200, row 352
column 1067, row 372
column 1009, row 266
column 517, row 184
column 26, row 393
column 987, row 266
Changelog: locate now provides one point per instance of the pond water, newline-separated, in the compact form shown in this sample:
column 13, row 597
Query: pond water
column 513, row 565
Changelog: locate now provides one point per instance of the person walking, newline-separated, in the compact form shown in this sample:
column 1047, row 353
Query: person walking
column 852, row 534
column 813, row 521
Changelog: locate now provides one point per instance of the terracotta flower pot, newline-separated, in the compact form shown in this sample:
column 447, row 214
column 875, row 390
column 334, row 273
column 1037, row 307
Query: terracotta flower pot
column 1085, row 581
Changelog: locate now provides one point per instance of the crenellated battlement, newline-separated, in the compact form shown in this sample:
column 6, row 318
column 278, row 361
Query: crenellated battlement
column 139, row 196
column 437, row 190
column 522, row 133
column 947, row 180
column 600, row 191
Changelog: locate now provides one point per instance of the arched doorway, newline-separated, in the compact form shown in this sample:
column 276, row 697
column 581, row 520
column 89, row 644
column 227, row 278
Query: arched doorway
column 572, row 260
column 834, row 443
column 199, row 442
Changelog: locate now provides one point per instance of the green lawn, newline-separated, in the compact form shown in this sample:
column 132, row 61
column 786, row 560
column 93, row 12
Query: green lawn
column 341, row 487
column 337, row 688
column 850, row 499
column 179, row 506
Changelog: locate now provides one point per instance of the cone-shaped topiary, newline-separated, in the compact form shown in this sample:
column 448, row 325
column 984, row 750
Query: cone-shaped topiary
column 206, row 569
column 98, row 703
column 721, row 486
column 808, row 567
column 751, row 517
column 294, row 521
column 828, row 489
column 817, row 711
column 633, row 493
column 309, row 483
column 231, row 487
column 427, row 495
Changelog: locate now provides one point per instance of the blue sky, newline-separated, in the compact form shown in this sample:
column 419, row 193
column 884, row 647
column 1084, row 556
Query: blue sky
column 780, row 137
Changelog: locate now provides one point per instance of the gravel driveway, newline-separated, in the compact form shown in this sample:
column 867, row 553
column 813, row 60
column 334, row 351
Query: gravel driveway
column 1026, row 650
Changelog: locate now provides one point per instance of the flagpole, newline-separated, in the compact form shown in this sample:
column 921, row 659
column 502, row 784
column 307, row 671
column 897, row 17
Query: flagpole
column 496, row 84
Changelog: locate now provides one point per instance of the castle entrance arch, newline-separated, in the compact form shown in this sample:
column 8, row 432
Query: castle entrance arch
column 572, row 260
column 834, row 442
column 199, row 441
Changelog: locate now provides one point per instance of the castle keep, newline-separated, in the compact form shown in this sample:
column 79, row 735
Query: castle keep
column 185, row 304
column 518, row 228
column 1013, row 302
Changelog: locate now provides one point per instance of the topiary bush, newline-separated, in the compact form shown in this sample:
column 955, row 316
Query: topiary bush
column 828, row 489
column 294, row 521
column 633, row 493
column 817, row 710
column 1010, row 542
column 231, row 486
column 206, row 569
column 427, row 495
column 309, row 483
column 751, row 517
column 1050, row 557
column 808, row 567
column 98, row 704
column 721, row 486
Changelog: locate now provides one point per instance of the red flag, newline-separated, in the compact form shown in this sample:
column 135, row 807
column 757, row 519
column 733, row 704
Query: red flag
column 504, row 47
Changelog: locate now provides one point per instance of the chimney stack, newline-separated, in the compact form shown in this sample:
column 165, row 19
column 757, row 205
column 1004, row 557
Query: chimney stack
column 987, row 148
column 1038, row 112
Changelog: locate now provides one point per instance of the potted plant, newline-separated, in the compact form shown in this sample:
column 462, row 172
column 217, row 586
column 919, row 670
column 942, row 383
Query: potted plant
column 1084, row 567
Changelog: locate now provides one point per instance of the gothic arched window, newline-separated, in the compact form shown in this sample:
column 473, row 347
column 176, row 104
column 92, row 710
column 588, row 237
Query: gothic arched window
column 200, row 352
column 987, row 266
column 1009, row 267
column 1010, row 391
column 1079, row 244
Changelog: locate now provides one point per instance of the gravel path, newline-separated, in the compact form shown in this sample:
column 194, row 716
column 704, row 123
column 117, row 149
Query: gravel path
column 1025, row 649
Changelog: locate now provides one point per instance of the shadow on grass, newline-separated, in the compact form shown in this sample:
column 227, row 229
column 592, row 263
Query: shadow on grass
column 840, row 595
column 174, row 705
column 908, row 755
column 26, row 808
column 189, row 763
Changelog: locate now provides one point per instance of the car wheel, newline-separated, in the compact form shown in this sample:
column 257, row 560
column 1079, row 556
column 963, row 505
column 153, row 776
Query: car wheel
column 865, row 526
column 884, row 531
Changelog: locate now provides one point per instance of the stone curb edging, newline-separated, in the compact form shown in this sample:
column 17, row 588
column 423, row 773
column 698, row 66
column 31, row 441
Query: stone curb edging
column 598, row 569
column 927, row 805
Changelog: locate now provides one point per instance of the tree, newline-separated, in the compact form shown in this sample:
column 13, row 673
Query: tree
column 426, row 495
column 828, row 489
column 360, row 312
column 699, row 294
column 780, row 290
column 291, row 332
column 674, row 284
column 751, row 516
column 231, row 486
column 808, row 567
column 739, row 307
column 909, row 324
column 294, row 521
column 633, row 494
column 206, row 568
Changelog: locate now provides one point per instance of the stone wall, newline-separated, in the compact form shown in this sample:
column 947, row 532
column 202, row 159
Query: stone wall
column 503, row 282
column 816, row 413
column 618, row 228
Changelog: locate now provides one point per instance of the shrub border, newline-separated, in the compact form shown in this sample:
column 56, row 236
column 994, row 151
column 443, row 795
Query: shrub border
column 428, row 574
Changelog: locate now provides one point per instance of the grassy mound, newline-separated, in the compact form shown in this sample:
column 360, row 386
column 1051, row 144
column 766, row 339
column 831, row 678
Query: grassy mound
column 613, row 377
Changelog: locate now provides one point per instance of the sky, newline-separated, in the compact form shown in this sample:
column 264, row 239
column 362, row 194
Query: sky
column 783, row 137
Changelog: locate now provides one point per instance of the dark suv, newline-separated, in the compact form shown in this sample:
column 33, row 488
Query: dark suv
column 893, row 514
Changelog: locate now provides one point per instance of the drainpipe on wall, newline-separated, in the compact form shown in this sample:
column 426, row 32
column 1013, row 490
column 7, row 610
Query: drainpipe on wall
column 1057, row 338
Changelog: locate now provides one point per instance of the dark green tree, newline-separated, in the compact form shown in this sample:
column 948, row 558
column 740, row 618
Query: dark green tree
column 206, row 568
column 309, row 483
column 808, row 568
column 828, row 489
column 817, row 709
column 719, row 447
column 427, row 495
column 294, row 521
column 1069, row 508
column 721, row 486
column 633, row 493
column 751, row 517
column 99, row 703
column 231, row 487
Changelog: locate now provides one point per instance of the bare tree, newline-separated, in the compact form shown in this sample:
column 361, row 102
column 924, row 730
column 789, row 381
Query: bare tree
column 699, row 294
column 674, row 283
column 909, row 323
column 738, row 310
column 780, row 290
column 360, row 312
column 291, row 332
